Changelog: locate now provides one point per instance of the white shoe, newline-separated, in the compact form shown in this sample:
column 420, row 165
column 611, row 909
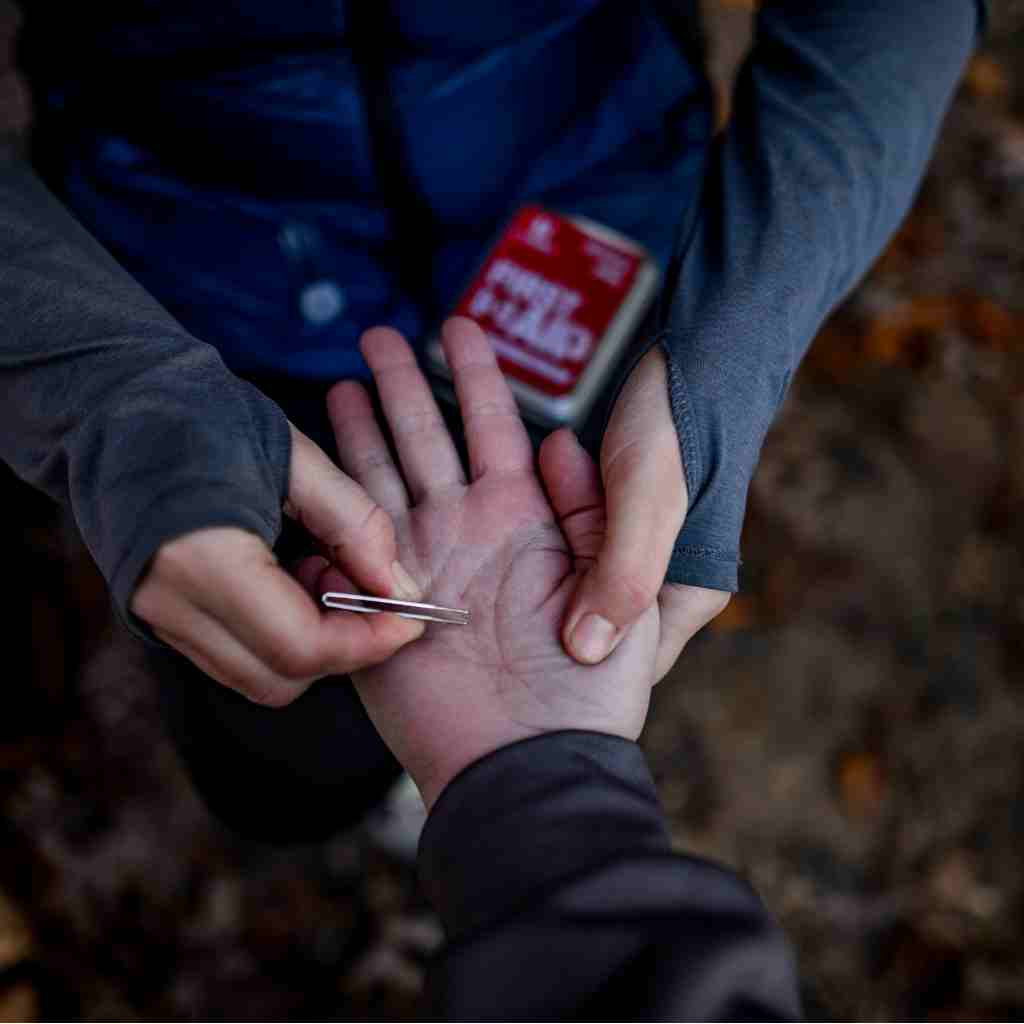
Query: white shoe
column 395, row 825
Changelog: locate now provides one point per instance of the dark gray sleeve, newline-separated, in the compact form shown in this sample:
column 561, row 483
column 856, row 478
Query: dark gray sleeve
column 549, row 863
column 835, row 115
column 111, row 407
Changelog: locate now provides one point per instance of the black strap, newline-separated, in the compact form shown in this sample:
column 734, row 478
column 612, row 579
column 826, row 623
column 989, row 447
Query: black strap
column 372, row 31
column 682, row 19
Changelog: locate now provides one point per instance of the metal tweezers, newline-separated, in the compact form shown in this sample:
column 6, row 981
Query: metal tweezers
column 406, row 609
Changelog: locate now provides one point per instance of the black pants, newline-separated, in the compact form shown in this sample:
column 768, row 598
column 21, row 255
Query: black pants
column 303, row 772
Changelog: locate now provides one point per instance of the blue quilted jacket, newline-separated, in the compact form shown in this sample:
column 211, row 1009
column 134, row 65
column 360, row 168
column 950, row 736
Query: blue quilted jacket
column 223, row 152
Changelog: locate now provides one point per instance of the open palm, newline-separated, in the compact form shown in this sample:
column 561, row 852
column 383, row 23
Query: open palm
column 496, row 544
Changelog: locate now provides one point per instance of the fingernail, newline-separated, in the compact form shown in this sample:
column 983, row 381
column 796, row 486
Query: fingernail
column 405, row 585
column 593, row 638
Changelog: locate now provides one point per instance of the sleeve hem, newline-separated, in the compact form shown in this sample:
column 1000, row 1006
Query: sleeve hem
column 517, row 821
column 682, row 414
column 697, row 566
column 180, row 513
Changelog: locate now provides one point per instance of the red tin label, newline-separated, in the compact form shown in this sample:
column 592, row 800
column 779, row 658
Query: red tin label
column 546, row 296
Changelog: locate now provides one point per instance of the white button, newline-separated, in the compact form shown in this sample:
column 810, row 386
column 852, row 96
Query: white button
column 320, row 302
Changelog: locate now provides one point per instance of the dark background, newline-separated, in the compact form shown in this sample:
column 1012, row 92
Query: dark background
column 849, row 734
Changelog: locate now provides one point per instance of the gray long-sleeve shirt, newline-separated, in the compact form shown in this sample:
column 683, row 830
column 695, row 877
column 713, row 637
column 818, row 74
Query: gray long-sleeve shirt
column 836, row 114
column 111, row 406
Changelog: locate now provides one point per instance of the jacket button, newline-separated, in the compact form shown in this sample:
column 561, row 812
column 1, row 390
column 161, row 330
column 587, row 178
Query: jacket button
column 320, row 302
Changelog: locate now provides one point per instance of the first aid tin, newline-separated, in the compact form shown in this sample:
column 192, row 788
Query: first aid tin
column 559, row 297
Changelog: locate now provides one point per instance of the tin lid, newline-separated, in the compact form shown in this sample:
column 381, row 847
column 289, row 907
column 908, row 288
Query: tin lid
column 548, row 294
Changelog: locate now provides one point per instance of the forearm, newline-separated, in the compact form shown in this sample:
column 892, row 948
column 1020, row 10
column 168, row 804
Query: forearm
column 111, row 407
column 835, row 116
column 550, row 865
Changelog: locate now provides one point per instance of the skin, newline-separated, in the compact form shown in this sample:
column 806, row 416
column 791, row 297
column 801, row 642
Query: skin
column 220, row 598
column 512, row 541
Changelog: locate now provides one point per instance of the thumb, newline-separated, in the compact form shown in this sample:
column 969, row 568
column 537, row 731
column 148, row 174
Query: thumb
column 645, row 497
column 356, row 531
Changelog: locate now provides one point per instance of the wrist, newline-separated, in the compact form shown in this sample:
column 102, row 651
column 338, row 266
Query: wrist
column 436, row 772
column 445, row 762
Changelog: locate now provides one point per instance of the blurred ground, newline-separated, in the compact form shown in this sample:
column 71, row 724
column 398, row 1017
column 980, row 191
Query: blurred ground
column 849, row 734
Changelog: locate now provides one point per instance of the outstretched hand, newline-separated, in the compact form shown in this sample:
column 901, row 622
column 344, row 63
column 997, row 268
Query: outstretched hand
column 493, row 542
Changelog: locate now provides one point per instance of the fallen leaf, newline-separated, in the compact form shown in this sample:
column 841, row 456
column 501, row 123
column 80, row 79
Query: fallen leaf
column 903, row 336
column 861, row 783
column 740, row 613
column 15, row 935
column 922, row 236
column 19, row 1003
column 988, row 324
column 836, row 352
column 986, row 78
